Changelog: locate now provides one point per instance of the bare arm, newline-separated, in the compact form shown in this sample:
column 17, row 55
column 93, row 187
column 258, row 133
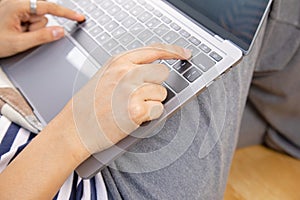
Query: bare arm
column 40, row 170
column 42, row 167
column 122, row 95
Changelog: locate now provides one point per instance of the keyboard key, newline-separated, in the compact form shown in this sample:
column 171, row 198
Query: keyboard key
column 118, row 50
column 205, row 48
column 136, row 29
column 111, row 26
column 203, row 62
column 145, row 35
column 113, row 10
column 110, row 44
column 176, row 82
column 194, row 50
column 175, row 27
column 84, row 40
column 90, row 8
column 96, row 31
column 170, row 37
column 71, row 26
column 216, row 56
column 170, row 95
column 149, row 7
column 182, row 66
column 78, row 10
column 128, row 22
column 144, row 17
column 134, row 45
column 192, row 74
column 106, row 4
column 157, row 13
column 136, row 10
column 181, row 42
column 61, row 20
column 171, row 62
column 100, row 55
column 68, row 4
column 102, row 38
column 166, row 20
column 153, row 40
column 120, row 2
column 184, row 33
column 126, row 39
column 195, row 41
column 104, row 20
column 82, row 3
column 161, row 30
column 142, row 2
column 88, row 25
column 119, row 32
column 97, row 13
column 120, row 16
column 128, row 5
column 153, row 23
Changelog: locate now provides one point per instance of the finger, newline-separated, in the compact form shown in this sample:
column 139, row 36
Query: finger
column 150, row 73
column 156, row 52
column 149, row 92
column 36, row 18
column 44, row 7
column 28, row 40
column 39, row 24
column 148, row 111
column 155, row 110
column 25, row 27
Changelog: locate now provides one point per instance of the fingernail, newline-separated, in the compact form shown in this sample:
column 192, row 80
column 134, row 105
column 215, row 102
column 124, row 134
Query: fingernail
column 187, row 53
column 156, row 112
column 80, row 17
column 58, row 33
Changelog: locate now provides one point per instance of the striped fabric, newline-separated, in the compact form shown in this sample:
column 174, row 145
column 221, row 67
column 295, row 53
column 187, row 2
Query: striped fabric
column 14, row 139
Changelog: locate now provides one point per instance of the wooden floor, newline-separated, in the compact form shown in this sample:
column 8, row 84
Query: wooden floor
column 258, row 173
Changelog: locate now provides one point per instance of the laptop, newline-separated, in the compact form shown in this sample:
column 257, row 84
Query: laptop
column 219, row 33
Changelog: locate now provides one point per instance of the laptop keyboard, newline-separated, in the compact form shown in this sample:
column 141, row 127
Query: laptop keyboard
column 115, row 26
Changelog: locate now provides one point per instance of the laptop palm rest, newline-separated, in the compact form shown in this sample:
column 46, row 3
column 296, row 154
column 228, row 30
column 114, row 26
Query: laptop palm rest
column 49, row 76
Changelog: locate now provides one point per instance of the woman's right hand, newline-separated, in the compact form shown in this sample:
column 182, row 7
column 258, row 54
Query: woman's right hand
column 125, row 93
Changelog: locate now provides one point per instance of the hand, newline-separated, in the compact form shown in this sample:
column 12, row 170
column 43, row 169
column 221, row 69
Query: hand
column 122, row 95
column 20, row 30
column 125, row 93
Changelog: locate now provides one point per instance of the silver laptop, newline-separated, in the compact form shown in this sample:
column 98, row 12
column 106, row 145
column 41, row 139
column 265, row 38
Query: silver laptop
column 218, row 32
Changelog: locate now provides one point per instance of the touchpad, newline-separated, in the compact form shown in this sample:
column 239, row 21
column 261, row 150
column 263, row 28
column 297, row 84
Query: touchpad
column 50, row 75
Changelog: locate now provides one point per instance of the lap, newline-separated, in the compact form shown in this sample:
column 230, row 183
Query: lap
column 191, row 154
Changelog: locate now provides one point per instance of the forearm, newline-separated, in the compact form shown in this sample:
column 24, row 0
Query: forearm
column 40, row 170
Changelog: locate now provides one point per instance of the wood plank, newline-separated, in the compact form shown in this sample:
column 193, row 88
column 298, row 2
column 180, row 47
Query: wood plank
column 259, row 173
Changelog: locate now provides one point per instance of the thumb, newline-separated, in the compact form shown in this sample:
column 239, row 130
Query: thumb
column 28, row 40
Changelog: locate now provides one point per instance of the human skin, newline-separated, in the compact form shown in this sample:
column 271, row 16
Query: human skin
column 43, row 166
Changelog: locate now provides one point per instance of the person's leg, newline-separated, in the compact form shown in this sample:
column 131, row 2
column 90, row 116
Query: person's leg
column 275, row 87
column 190, row 156
column 253, row 128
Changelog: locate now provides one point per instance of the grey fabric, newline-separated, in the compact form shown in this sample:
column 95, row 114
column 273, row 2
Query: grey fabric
column 276, row 84
column 197, row 166
column 287, row 11
column 253, row 128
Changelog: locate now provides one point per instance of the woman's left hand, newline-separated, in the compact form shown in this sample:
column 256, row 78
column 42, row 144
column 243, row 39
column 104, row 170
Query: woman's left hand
column 20, row 30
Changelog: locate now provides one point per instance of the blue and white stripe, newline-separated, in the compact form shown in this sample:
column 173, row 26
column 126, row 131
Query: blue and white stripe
column 13, row 139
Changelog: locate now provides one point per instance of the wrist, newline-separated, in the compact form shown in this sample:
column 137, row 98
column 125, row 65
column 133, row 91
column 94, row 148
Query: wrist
column 63, row 126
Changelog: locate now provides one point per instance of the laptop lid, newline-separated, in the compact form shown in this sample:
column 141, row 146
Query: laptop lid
column 234, row 20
